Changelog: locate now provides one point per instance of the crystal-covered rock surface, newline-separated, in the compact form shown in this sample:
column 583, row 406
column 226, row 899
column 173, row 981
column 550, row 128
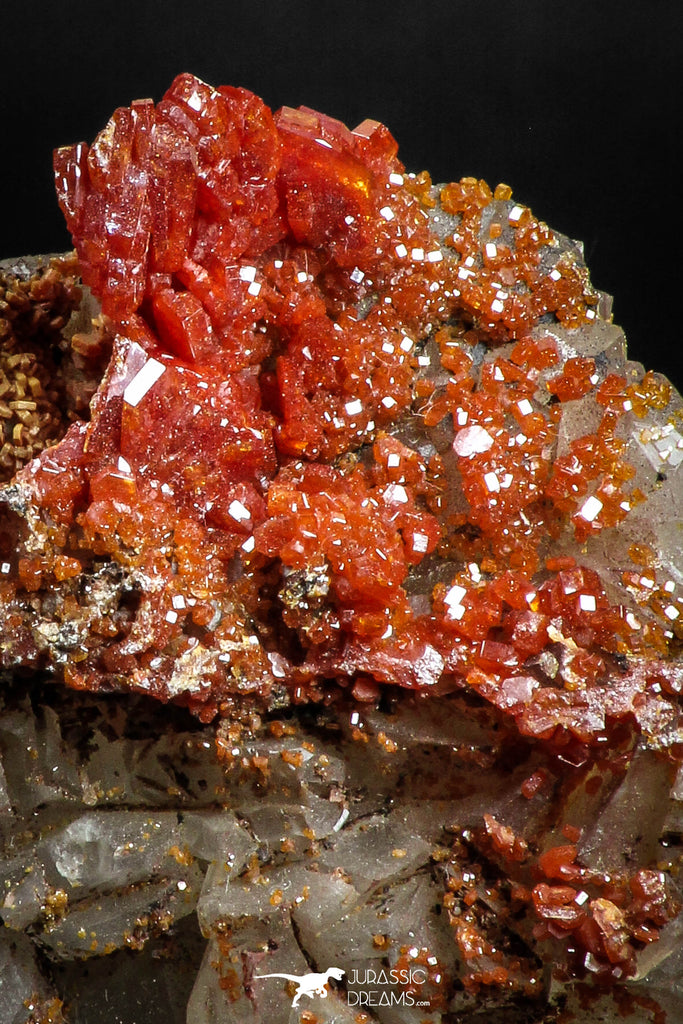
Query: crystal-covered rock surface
column 384, row 840
column 370, row 486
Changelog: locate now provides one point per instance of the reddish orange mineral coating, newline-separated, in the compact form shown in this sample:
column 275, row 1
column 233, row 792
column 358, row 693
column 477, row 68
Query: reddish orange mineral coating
column 295, row 317
column 255, row 446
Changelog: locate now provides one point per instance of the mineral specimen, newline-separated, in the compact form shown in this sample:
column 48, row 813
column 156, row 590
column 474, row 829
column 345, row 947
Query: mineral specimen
column 368, row 476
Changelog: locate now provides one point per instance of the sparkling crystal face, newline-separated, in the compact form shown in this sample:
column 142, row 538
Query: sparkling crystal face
column 371, row 446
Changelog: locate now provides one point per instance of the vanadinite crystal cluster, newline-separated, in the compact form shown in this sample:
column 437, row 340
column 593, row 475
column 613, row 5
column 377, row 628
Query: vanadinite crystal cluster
column 369, row 497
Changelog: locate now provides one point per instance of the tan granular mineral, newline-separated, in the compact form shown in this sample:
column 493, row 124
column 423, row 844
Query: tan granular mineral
column 45, row 378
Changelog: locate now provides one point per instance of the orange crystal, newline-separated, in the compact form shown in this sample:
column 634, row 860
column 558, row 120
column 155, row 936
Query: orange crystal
column 329, row 433
column 344, row 448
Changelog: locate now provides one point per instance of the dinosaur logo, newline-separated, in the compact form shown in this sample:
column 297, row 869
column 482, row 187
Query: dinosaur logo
column 309, row 984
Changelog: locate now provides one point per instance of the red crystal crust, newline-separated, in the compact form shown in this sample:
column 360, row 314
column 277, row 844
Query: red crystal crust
column 333, row 451
column 300, row 463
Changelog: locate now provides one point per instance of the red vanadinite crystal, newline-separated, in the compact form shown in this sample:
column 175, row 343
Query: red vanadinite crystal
column 335, row 450
column 299, row 442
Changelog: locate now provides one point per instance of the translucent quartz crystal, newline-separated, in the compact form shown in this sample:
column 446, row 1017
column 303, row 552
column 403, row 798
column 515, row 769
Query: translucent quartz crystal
column 368, row 485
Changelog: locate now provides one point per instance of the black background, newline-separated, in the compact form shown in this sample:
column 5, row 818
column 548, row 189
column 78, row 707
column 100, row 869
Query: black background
column 576, row 105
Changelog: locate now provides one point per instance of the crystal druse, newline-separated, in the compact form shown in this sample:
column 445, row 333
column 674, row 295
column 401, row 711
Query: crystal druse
column 352, row 474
